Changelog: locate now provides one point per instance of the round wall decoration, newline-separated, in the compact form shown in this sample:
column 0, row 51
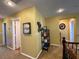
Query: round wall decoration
column 62, row 26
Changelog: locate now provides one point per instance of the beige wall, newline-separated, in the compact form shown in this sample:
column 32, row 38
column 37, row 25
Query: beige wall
column 30, row 43
column 53, row 24
column 65, row 32
column 1, row 32
column 39, row 18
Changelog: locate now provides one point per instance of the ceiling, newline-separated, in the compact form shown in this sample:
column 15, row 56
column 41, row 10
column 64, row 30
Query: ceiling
column 46, row 7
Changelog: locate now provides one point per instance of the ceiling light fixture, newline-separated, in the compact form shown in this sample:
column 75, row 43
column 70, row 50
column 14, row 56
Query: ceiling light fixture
column 60, row 10
column 10, row 3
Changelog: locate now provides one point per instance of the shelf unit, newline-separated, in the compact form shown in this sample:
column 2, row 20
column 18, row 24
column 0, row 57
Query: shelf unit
column 45, row 36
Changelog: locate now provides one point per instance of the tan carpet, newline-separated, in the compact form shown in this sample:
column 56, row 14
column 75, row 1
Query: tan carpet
column 9, row 54
column 53, row 53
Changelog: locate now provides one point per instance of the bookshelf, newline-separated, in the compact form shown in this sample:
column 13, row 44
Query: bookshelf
column 45, row 36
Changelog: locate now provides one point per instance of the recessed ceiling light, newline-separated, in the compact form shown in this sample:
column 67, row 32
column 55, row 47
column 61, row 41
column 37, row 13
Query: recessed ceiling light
column 60, row 10
column 10, row 3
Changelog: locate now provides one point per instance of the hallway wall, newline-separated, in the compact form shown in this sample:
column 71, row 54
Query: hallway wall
column 30, row 43
column 39, row 18
column 65, row 32
column 53, row 24
column 1, row 32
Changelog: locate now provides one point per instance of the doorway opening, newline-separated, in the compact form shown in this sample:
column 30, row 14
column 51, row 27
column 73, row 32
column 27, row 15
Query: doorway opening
column 16, row 35
column 4, row 34
column 71, row 30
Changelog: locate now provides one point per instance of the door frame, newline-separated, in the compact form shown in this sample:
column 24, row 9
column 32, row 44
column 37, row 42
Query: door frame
column 14, row 33
column 4, row 35
column 72, row 20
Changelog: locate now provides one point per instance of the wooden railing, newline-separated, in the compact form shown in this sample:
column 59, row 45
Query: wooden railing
column 69, row 49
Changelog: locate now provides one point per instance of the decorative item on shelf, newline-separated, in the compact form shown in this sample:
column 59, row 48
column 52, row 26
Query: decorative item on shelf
column 39, row 26
column 45, row 38
column 62, row 26
column 27, row 28
column 45, row 27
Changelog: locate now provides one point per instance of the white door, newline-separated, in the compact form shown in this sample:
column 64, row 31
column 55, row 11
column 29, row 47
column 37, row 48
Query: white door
column 16, row 35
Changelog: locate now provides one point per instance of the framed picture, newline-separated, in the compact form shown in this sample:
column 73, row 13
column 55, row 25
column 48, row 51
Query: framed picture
column 27, row 28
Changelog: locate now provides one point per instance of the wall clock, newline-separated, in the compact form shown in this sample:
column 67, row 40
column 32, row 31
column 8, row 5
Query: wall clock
column 62, row 26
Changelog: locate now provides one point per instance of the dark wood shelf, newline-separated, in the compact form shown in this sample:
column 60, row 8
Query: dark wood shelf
column 45, row 39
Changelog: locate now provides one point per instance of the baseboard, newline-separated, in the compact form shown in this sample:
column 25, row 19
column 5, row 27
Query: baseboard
column 39, row 54
column 31, row 56
column 55, row 44
column 28, row 56
column 9, row 47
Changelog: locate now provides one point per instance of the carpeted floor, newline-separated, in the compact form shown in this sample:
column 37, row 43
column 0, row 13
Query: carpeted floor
column 9, row 54
column 53, row 53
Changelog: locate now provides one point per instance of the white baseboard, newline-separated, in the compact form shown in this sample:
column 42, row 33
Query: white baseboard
column 55, row 44
column 31, row 56
column 28, row 56
column 39, row 54
column 9, row 47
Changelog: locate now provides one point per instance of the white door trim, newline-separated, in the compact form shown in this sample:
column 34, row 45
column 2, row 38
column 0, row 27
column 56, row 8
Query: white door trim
column 14, row 34
column 3, row 34
column 13, row 28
